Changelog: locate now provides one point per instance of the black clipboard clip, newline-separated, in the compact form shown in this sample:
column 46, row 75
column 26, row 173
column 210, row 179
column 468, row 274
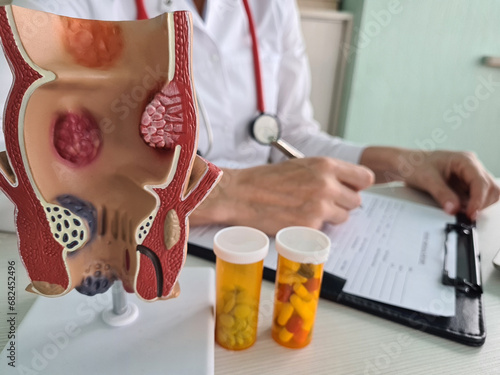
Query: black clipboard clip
column 468, row 272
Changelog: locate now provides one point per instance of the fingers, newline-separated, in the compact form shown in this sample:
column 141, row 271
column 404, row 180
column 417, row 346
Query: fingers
column 308, row 192
column 357, row 177
column 483, row 192
column 341, row 193
column 338, row 215
column 345, row 181
column 481, row 188
column 319, row 212
column 441, row 191
column 432, row 181
column 457, row 181
column 347, row 198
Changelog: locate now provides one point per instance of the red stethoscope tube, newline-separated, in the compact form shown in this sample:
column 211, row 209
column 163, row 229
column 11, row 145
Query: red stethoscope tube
column 265, row 128
column 141, row 10
column 256, row 59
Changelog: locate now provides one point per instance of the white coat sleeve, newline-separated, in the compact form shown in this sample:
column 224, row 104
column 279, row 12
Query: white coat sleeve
column 294, row 107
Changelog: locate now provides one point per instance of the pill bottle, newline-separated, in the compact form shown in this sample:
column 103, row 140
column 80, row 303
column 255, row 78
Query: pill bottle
column 240, row 253
column 302, row 253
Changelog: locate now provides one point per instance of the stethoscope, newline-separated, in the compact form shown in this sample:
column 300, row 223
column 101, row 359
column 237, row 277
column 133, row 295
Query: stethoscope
column 265, row 128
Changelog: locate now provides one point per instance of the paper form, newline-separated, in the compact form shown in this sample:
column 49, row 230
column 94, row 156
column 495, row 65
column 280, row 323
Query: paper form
column 390, row 250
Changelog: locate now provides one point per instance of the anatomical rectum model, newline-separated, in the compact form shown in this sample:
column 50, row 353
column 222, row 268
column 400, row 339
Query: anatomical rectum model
column 100, row 162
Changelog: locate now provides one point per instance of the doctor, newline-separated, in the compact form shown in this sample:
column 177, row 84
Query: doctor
column 321, row 188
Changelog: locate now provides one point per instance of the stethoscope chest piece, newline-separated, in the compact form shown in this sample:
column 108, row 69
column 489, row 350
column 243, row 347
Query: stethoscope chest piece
column 265, row 129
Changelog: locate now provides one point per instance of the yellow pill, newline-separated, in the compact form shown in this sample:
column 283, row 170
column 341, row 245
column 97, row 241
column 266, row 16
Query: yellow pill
column 252, row 319
column 240, row 340
column 240, row 325
column 242, row 311
column 231, row 342
column 247, row 334
column 225, row 338
column 229, row 304
column 304, row 309
column 290, row 278
column 222, row 337
column 226, row 320
column 243, row 297
column 285, row 314
column 230, row 330
column 301, row 291
column 284, row 335
column 307, row 324
column 293, row 266
column 285, row 278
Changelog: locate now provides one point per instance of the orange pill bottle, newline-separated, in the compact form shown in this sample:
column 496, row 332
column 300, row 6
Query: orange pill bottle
column 302, row 253
column 240, row 253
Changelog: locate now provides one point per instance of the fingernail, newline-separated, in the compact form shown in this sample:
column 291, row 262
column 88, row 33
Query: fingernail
column 449, row 207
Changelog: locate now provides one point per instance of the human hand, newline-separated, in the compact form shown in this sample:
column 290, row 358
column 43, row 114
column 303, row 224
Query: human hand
column 308, row 192
column 457, row 180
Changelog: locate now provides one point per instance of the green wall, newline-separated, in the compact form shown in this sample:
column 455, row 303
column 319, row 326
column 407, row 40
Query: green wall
column 417, row 77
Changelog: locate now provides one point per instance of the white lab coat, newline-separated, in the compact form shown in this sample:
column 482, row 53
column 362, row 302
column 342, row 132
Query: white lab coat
column 224, row 73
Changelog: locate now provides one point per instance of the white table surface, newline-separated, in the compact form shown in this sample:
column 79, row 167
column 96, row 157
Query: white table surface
column 346, row 341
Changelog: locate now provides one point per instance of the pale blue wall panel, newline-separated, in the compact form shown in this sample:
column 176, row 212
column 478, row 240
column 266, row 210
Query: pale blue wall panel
column 418, row 81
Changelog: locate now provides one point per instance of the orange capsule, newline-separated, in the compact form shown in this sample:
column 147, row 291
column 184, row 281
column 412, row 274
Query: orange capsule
column 294, row 324
column 300, row 337
column 313, row 284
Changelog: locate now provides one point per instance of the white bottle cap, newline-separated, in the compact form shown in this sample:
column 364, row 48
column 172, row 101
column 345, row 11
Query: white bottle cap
column 303, row 245
column 241, row 245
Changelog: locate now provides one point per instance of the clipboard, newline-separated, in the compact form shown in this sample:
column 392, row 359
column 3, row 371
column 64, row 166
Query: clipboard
column 466, row 327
